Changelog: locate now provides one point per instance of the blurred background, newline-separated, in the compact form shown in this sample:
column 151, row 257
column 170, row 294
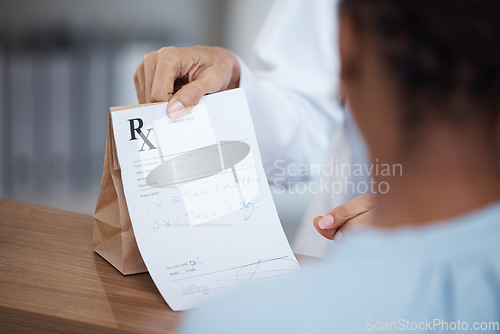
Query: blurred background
column 63, row 63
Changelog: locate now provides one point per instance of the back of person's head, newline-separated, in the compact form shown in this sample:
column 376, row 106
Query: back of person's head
column 442, row 55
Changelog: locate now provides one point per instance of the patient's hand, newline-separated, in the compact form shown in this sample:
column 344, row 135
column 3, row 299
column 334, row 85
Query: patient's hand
column 183, row 75
column 354, row 214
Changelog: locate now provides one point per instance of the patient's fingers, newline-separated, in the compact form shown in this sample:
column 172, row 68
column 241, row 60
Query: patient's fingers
column 349, row 210
column 360, row 221
column 356, row 213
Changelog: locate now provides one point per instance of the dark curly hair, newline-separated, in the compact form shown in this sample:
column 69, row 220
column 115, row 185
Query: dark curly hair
column 436, row 49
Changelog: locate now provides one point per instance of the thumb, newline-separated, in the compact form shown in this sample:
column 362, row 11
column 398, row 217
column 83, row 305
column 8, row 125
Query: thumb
column 185, row 98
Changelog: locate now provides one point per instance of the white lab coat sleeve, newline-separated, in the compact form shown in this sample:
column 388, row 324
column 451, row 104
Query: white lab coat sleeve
column 292, row 84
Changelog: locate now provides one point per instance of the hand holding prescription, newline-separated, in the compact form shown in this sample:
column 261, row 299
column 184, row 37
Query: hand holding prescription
column 183, row 75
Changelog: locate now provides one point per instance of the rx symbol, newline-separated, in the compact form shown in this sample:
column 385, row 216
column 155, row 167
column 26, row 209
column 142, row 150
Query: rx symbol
column 136, row 125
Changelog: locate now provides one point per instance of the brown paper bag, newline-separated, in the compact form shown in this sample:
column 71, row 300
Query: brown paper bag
column 114, row 238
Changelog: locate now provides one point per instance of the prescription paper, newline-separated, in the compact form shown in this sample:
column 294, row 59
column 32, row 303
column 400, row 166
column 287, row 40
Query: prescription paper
column 198, row 198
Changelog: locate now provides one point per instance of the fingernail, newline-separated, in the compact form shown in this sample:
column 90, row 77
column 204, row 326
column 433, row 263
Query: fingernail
column 325, row 222
column 338, row 236
column 175, row 109
column 316, row 219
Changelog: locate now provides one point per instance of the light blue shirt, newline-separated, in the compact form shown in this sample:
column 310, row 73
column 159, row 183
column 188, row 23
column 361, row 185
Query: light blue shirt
column 434, row 279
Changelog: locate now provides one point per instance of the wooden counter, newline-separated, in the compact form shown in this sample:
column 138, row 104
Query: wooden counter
column 52, row 281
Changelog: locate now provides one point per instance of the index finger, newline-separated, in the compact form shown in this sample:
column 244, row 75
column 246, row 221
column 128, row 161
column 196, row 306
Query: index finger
column 351, row 209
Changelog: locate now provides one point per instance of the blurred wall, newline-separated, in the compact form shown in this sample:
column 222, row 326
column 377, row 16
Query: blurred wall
column 186, row 21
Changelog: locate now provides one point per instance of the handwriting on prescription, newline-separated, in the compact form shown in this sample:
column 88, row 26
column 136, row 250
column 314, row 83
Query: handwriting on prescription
column 161, row 208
